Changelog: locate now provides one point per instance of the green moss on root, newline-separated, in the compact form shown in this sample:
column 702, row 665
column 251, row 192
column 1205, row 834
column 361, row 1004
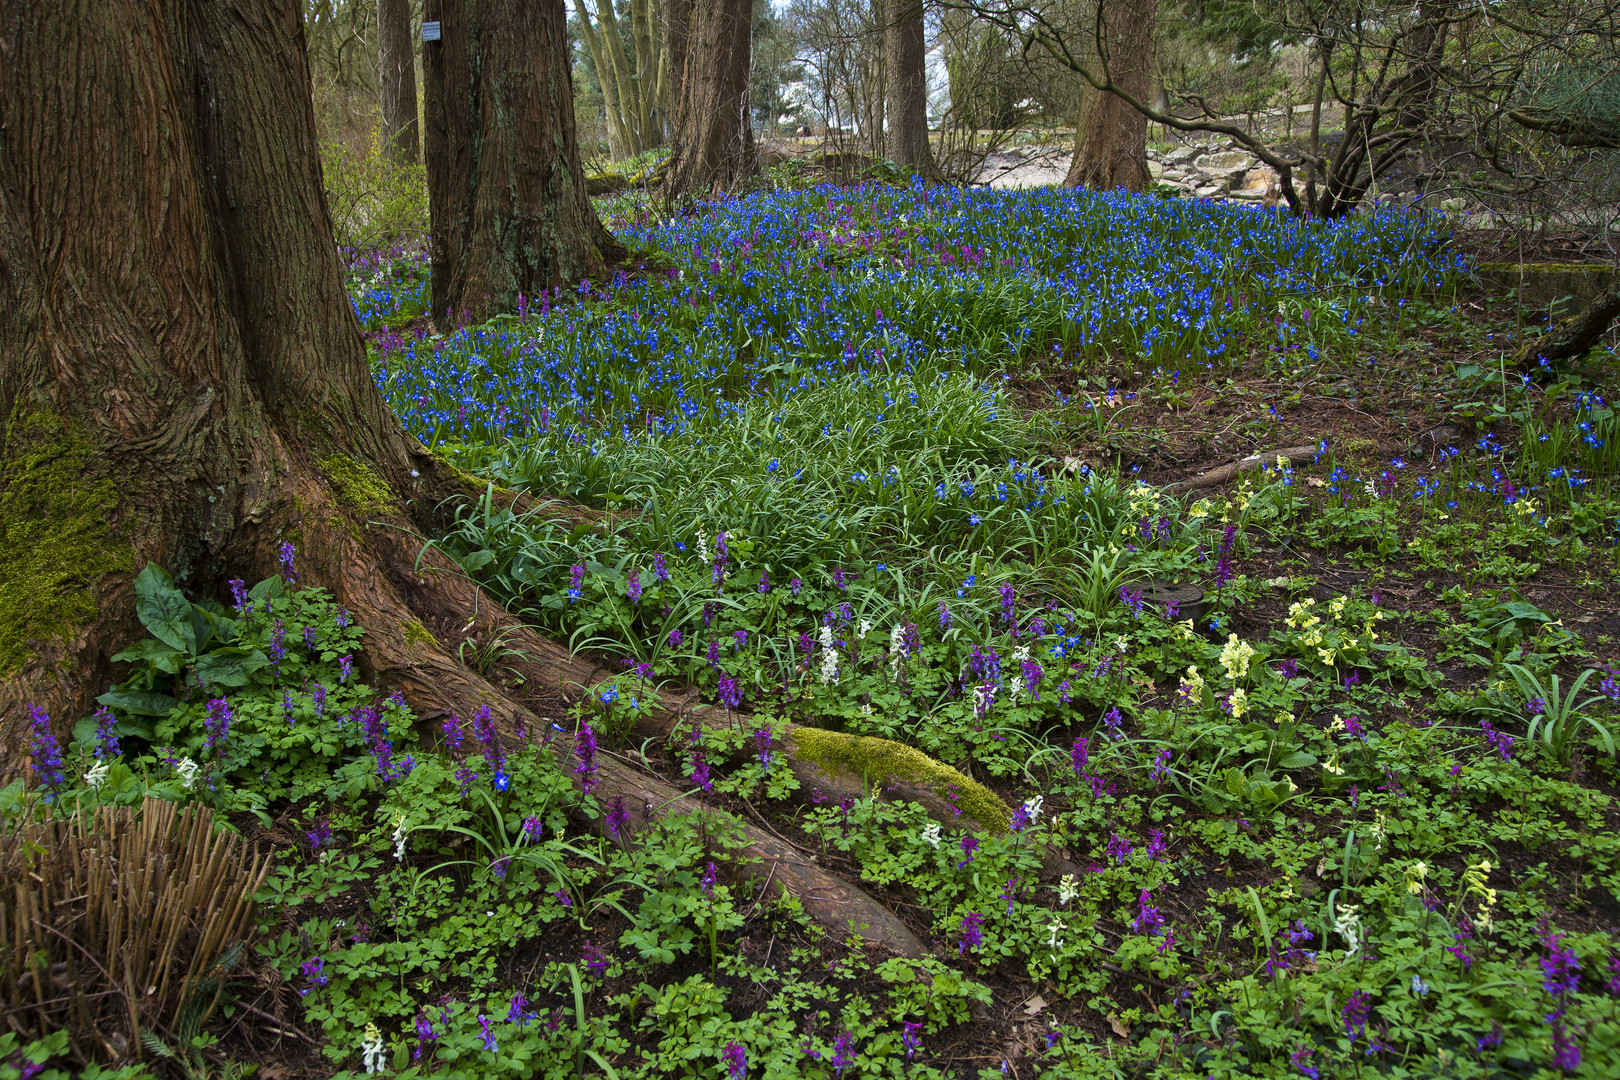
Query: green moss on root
column 417, row 634
column 55, row 543
column 358, row 485
column 882, row 760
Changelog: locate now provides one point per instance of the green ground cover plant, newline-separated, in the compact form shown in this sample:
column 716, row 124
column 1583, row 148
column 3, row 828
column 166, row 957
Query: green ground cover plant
column 895, row 461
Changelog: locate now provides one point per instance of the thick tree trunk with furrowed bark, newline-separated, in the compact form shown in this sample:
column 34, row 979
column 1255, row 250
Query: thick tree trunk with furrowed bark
column 396, row 79
column 1111, row 145
column 182, row 380
column 908, row 89
column 506, row 190
column 711, row 139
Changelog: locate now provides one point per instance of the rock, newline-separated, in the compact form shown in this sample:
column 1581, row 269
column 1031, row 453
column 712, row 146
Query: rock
column 1155, row 170
column 1181, row 155
column 1227, row 162
column 1207, row 191
column 1247, row 194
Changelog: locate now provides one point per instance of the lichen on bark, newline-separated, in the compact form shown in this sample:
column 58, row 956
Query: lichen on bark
column 358, row 486
column 56, row 542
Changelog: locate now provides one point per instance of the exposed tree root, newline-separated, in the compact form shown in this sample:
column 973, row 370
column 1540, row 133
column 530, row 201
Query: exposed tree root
column 1249, row 464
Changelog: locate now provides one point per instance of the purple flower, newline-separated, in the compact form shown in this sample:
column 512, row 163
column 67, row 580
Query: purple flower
column 312, row 971
column 217, row 725
column 424, row 1035
column 720, row 556
column 1033, row 674
column 972, row 932
column 489, row 740
column 1148, row 920
column 838, row 576
column 106, row 733
column 843, row 1053
column 674, row 638
column 576, row 578
column 1080, row 755
column 1301, row 1059
column 278, row 642
column 1131, row 598
column 1157, row 848
column 1614, row 975
column 317, row 697
column 1566, row 1051
column 764, row 582
column 516, row 1014
column 911, row 1041
column 1008, row 611
column 736, row 1059
column 585, row 750
column 594, row 959
column 342, row 618
column 944, row 616
column 345, row 668
column 762, row 744
column 730, row 692
column 239, row 595
column 1355, row 1014
column 709, row 875
column 740, row 637
column 532, row 828
column 970, row 844
column 660, row 571
column 1119, row 848
column 617, row 816
column 1223, row 564
column 1501, row 740
column 632, row 587
column 713, row 655
column 287, row 554
column 484, row 1033
column 309, row 639
column 795, row 585
column 1561, row 971
column 1161, row 767
column 1354, row 728
column 1111, row 720
column 319, row 835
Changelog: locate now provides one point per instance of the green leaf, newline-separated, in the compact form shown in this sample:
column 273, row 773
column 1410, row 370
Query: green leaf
column 139, row 702
column 166, row 658
column 229, row 667
column 1299, row 759
column 163, row 609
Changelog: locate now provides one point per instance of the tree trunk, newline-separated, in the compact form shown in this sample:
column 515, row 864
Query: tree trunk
column 396, row 79
column 1111, row 146
column 506, row 190
column 182, row 380
column 908, row 89
column 711, row 139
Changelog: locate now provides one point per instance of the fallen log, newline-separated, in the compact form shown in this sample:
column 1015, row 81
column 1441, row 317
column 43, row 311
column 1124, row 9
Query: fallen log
column 1278, row 458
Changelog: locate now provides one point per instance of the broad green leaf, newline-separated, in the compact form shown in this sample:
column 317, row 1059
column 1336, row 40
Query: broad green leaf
column 1299, row 759
column 163, row 609
column 139, row 702
column 229, row 667
column 166, row 658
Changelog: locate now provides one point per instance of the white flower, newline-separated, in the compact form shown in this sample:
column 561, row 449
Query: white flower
column 897, row 638
column 930, row 834
column 1068, row 889
column 1124, row 644
column 1020, row 654
column 1032, row 809
column 1052, row 938
column 703, row 545
column 829, row 667
column 866, row 628
column 1347, row 924
column 825, row 637
column 866, row 710
column 187, row 770
column 97, row 776
column 371, row 1048
column 399, row 839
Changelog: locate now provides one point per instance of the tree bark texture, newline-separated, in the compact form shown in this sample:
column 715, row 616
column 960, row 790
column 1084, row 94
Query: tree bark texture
column 711, row 139
column 506, row 190
column 396, row 81
column 1111, row 145
column 908, row 89
column 182, row 380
